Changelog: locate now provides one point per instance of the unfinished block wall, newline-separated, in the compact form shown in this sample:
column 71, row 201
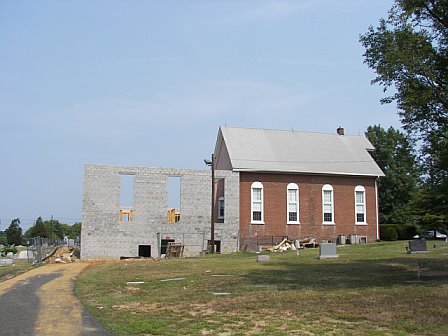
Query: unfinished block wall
column 105, row 236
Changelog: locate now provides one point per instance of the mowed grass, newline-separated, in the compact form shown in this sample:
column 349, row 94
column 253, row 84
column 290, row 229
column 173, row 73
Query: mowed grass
column 369, row 290
column 10, row 271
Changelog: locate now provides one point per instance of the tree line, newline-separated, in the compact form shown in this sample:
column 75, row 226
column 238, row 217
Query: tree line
column 52, row 229
column 409, row 53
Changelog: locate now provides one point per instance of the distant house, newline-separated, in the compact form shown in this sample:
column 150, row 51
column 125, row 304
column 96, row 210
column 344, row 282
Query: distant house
column 300, row 184
column 268, row 184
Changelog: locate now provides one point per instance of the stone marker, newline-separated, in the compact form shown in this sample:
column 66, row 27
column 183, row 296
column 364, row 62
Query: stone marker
column 6, row 261
column 327, row 250
column 418, row 245
column 263, row 258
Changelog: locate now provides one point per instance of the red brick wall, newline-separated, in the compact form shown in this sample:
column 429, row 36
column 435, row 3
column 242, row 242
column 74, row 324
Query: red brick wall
column 310, row 207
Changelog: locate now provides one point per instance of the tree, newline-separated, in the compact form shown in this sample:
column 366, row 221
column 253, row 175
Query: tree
column 14, row 232
column 394, row 155
column 409, row 53
column 37, row 230
column 71, row 231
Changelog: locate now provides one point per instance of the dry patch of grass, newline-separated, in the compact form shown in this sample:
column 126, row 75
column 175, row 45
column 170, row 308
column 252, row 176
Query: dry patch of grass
column 370, row 290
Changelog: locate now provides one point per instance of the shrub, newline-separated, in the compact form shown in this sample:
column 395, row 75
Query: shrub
column 5, row 250
column 404, row 232
column 390, row 233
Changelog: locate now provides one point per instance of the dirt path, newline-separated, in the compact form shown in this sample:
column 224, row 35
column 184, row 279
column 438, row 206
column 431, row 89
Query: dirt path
column 60, row 312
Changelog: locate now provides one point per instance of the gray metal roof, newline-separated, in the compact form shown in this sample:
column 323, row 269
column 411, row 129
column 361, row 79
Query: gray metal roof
column 298, row 152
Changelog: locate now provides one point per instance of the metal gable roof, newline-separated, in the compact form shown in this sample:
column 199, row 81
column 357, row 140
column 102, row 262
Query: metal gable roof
column 298, row 152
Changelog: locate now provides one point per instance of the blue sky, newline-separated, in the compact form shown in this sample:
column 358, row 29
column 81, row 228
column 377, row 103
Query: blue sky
column 148, row 83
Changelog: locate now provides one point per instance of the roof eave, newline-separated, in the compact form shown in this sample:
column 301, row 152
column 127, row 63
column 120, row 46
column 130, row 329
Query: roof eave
column 250, row 170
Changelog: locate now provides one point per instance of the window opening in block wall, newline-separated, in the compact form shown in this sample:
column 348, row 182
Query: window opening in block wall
column 126, row 213
column 173, row 187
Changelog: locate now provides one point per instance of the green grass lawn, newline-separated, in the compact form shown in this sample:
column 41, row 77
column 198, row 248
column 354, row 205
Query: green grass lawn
column 369, row 290
column 10, row 271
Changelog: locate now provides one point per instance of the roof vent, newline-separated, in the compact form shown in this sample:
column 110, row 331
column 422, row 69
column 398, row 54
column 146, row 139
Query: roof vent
column 340, row 130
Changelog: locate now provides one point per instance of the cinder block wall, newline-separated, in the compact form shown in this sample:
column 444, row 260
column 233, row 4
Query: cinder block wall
column 310, row 208
column 104, row 236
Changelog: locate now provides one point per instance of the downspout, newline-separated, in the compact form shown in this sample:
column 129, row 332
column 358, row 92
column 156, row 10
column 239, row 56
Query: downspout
column 377, row 210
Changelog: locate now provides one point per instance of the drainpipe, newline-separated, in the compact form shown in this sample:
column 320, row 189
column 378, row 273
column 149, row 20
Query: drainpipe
column 377, row 210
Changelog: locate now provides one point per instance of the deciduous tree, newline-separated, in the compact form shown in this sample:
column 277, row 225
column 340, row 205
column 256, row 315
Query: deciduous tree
column 409, row 53
column 14, row 232
column 394, row 155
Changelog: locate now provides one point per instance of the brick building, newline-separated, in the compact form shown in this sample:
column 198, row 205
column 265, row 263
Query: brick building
column 300, row 184
column 269, row 184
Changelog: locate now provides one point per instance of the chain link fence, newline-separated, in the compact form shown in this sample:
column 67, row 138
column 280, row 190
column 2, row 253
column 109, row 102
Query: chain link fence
column 40, row 248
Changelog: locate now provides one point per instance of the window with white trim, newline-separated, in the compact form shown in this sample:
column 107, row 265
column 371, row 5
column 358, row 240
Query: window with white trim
column 327, row 204
column 360, row 205
column 221, row 208
column 292, row 199
column 257, row 203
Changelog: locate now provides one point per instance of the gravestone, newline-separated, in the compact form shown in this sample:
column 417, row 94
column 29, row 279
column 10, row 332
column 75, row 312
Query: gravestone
column 25, row 255
column 263, row 258
column 327, row 250
column 418, row 245
column 4, row 262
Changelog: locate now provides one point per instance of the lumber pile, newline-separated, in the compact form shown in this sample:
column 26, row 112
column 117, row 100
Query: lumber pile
column 293, row 245
column 61, row 255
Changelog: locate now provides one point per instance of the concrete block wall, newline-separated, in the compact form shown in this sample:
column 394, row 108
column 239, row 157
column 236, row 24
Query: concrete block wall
column 104, row 236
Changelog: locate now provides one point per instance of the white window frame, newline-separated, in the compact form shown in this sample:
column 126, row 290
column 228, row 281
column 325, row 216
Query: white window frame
column 328, row 188
column 256, row 185
column 363, row 204
column 221, row 205
column 289, row 203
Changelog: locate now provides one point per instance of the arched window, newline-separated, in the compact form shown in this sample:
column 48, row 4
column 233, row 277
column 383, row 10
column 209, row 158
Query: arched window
column 327, row 204
column 292, row 199
column 257, row 203
column 360, row 205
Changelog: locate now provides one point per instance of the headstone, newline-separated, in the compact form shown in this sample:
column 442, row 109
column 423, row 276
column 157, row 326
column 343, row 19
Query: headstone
column 327, row 250
column 263, row 258
column 70, row 242
column 418, row 245
column 6, row 261
column 25, row 255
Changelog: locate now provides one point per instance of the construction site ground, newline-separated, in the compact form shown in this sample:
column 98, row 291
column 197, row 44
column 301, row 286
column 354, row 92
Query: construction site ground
column 42, row 301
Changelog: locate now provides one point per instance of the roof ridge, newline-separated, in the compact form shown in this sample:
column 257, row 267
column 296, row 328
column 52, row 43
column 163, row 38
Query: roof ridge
column 292, row 130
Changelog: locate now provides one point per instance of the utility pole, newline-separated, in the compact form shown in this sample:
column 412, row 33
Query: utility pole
column 212, row 212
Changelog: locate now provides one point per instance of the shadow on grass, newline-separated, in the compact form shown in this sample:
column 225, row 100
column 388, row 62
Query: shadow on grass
column 332, row 274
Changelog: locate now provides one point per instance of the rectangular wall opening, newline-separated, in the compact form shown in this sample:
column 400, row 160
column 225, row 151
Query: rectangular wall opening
column 126, row 212
column 173, row 189
column 164, row 245
column 126, row 191
column 144, row 251
column 217, row 246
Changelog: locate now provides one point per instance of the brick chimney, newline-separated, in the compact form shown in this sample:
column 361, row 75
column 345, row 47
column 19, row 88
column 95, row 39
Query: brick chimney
column 340, row 130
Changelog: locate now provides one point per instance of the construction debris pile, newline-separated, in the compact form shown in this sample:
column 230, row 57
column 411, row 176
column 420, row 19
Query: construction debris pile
column 62, row 255
column 293, row 245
